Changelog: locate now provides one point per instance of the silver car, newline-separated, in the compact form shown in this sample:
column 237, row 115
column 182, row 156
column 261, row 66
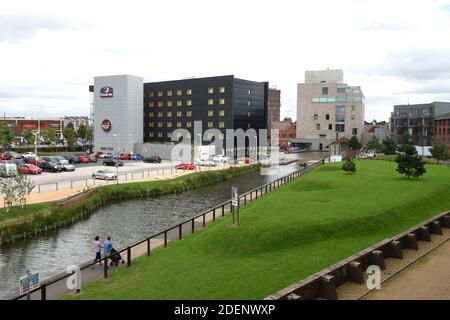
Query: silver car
column 65, row 166
column 207, row 163
column 104, row 175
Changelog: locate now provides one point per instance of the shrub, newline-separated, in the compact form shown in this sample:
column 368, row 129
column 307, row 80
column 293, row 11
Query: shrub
column 349, row 166
column 409, row 162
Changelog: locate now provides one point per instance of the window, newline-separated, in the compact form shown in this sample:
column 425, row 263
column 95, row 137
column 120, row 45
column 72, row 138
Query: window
column 179, row 103
column 178, row 124
column 340, row 109
column 340, row 127
column 222, row 89
column 210, row 90
column 179, row 92
column 221, row 124
column 169, row 124
column 151, row 104
column 354, row 131
column 160, row 103
column 160, row 134
column 330, row 127
column 221, row 101
column 325, row 90
column 340, row 117
column 210, row 124
column 151, row 124
column 169, row 93
column 189, row 92
column 189, row 103
column 151, row 134
column 160, row 124
column 160, row 114
column 318, row 126
column 249, row 103
column 169, row 103
column 169, row 134
column 221, row 113
column 152, row 94
column 316, row 117
column 189, row 113
column 169, row 114
column 249, row 91
column 160, row 93
column 151, row 114
column 210, row 102
column 210, row 113
column 179, row 113
column 327, row 117
column 188, row 124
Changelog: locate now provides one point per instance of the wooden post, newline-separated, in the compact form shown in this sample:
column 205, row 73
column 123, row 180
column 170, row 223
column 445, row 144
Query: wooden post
column 148, row 247
column 180, row 231
column 165, row 238
column 129, row 257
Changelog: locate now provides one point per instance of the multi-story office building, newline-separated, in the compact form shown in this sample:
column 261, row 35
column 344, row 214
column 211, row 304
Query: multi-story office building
column 442, row 130
column 18, row 124
column 416, row 122
column 327, row 108
column 274, row 106
column 223, row 102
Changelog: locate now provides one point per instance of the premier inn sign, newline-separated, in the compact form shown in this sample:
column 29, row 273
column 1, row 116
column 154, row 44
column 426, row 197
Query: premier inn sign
column 106, row 92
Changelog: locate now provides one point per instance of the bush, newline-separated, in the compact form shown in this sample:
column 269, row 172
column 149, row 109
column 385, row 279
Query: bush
column 349, row 166
column 410, row 163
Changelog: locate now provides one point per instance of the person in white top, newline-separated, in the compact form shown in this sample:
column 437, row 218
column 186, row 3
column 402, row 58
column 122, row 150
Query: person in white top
column 98, row 246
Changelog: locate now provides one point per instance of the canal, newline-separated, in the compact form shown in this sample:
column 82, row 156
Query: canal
column 126, row 222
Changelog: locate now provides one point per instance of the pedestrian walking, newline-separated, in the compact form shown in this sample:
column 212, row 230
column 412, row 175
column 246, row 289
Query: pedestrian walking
column 98, row 251
column 107, row 246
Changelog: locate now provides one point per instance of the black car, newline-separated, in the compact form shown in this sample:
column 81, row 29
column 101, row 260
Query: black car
column 50, row 167
column 112, row 163
column 73, row 159
column 153, row 159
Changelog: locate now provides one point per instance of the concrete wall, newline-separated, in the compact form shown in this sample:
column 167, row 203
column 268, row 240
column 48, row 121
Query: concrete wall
column 154, row 149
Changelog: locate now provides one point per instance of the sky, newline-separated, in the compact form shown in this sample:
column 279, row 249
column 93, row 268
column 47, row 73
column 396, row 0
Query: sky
column 398, row 51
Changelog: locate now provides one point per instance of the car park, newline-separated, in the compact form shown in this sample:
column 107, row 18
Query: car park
column 207, row 163
column 27, row 168
column 185, row 166
column 104, row 175
column 112, row 163
column 50, row 167
column 153, row 159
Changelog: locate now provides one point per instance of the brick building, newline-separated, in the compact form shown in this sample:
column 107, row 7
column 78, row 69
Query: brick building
column 286, row 131
column 442, row 129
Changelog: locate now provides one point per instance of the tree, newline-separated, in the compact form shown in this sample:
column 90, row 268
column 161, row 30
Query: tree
column 49, row 134
column 28, row 135
column 69, row 134
column 349, row 166
column 409, row 162
column 82, row 132
column 439, row 151
column 14, row 187
column 389, row 146
column 5, row 134
column 354, row 143
column 375, row 145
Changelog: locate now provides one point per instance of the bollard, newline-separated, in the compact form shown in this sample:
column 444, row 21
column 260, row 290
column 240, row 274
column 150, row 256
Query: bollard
column 435, row 227
column 293, row 296
column 105, row 268
column 411, row 241
column 148, row 247
column 445, row 221
column 165, row 238
column 43, row 292
column 328, row 287
column 129, row 257
column 376, row 258
column 395, row 250
column 355, row 273
column 423, row 233
column 180, row 232
column 193, row 225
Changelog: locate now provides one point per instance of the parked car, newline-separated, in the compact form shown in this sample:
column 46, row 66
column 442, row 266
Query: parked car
column 207, row 163
column 19, row 161
column 29, row 155
column 124, row 156
column 112, row 163
column 27, row 168
column 50, row 167
column 49, row 159
column 84, row 159
column 34, row 161
column 98, row 154
column 137, row 157
column 66, row 166
column 104, row 174
column 73, row 159
column 4, row 157
column 153, row 159
column 62, row 160
column 220, row 158
column 106, row 156
column 247, row 160
column 92, row 158
column 13, row 155
column 185, row 166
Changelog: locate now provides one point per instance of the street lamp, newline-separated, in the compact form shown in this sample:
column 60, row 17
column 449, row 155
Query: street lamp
column 35, row 144
column 117, row 160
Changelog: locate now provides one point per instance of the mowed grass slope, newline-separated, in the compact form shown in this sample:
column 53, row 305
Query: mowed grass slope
column 285, row 236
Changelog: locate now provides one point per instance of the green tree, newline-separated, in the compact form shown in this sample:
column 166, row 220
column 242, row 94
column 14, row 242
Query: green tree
column 349, row 166
column 69, row 134
column 409, row 162
column 389, row 146
column 375, row 145
column 82, row 132
column 5, row 134
column 354, row 143
column 28, row 135
column 49, row 134
column 439, row 151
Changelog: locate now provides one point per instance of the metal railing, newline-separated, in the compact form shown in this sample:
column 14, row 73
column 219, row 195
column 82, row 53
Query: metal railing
column 176, row 232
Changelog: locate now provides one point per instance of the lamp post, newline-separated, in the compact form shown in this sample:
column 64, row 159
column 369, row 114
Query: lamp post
column 117, row 159
column 35, row 144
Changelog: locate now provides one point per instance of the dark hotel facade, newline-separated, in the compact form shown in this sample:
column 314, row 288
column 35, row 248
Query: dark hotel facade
column 223, row 102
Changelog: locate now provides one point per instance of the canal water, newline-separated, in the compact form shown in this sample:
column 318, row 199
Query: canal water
column 126, row 222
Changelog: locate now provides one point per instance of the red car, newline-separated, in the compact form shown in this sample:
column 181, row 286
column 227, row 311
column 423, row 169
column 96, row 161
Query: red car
column 3, row 157
column 28, row 168
column 34, row 161
column 247, row 160
column 185, row 166
column 84, row 159
column 125, row 156
column 97, row 155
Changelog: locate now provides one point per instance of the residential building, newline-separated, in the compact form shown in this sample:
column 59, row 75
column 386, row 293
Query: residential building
column 381, row 130
column 415, row 123
column 442, row 130
column 286, row 131
column 327, row 109
column 273, row 110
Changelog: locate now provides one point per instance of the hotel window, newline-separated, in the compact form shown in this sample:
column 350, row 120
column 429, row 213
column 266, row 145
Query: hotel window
column 151, row 124
column 221, row 101
column 354, row 131
column 151, row 134
column 325, row 90
column 318, row 126
column 249, row 91
column 210, row 90
column 169, row 124
column 160, row 124
column 152, row 94
column 189, row 124
column 249, row 103
column 327, row 117
column 179, row 103
column 221, row 124
column 160, row 114
column 210, row 124
column 210, row 102
column 151, row 114
column 169, row 113
column 221, row 113
column 178, row 124
column 160, row 134
column 179, row 113
column 189, row 113
column 179, row 92
column 340, row 117
column 189, row 92
column 340, row 127
column 222, row 89
column 169, row 134
column 210, row 113
column 160, row 103
column 160, row 93
column 169, row 103
column 330, row 127
column 169, row 93
column 189, row 103
column 152, row 104
column 316, row 117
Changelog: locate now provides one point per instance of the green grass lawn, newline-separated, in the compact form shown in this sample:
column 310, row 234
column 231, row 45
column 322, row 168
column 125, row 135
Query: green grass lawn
column 285, row 236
